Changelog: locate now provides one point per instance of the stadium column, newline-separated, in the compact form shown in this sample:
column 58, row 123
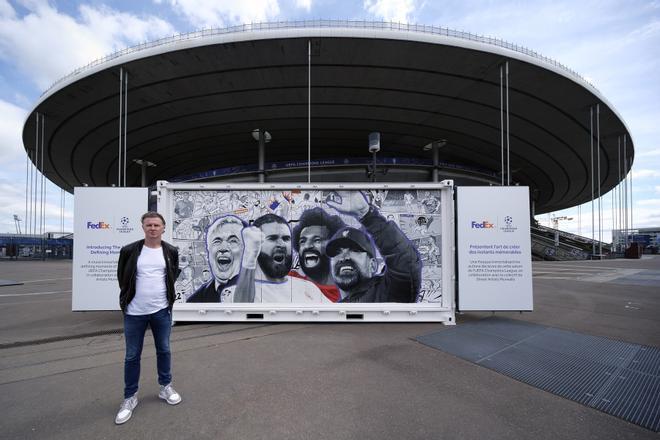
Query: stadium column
column 123, row 125
column 600, row 205
column 618, row 192
column 262, row 154
column 630, row 177
column 504, row 121
column 591, row 175
column 436, row 161
column 42, row 205
column 625, row 190
column 502, row 125
column 508, row 137
column 309, row 111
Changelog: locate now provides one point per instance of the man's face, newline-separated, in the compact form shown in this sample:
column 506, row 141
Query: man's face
column 153, row 228
column 224, row 245
column 275, row 257
column 311, row 247
column 352, row 268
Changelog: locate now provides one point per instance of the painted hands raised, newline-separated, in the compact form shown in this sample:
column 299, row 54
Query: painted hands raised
column 353, row 203
column 252, row 238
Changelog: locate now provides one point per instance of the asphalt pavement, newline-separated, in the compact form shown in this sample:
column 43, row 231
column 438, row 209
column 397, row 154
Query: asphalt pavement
column 61, row 371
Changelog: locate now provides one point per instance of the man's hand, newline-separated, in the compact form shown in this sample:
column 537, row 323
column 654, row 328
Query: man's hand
column 353, row 203
column 252, row 238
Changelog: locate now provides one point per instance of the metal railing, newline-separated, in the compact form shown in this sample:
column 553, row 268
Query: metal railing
column 359, row 24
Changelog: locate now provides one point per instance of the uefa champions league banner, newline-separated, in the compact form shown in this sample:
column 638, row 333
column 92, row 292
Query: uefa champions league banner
column 105, row 219
column 311, row 251
column 494, row 249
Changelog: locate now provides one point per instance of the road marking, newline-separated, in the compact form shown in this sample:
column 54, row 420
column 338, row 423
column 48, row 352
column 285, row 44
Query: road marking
column 34, row 293
column 50, row 279
column 582, row 273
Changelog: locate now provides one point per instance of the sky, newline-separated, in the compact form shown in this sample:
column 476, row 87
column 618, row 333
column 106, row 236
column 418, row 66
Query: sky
column 613, row 44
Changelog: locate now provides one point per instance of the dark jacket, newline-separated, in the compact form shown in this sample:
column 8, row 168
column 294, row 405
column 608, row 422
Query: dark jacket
column 403, row 266
column 127, row 271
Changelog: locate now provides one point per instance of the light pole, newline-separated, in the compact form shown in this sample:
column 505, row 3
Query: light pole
column 435, row 148
column 263, row 137
column 17, row 222
column 374, row 148
column 143, row 165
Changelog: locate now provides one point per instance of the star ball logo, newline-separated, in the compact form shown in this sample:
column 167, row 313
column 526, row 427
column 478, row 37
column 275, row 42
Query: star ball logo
column 508, row 225
column 124, row 226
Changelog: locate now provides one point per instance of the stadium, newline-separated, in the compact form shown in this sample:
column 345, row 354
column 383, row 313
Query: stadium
column 297, row 101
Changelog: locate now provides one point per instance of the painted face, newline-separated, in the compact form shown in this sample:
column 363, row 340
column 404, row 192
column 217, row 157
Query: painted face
column 352, row 268
column 153, row 227
column 311, row 246
column 224, row 245
column 275, row 257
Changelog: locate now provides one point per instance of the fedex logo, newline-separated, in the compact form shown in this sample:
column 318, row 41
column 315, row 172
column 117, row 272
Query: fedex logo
column 482, row 225
column 99, row 225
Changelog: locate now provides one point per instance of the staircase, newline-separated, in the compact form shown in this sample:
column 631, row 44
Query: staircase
column 570, row 246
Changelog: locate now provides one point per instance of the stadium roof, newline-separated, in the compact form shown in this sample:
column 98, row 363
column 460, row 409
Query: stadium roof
column 194, row 99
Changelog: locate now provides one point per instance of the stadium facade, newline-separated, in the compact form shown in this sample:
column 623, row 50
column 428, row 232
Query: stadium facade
column 447, row 105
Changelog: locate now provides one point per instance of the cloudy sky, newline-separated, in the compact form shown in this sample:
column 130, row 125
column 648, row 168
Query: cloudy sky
column 615, row 44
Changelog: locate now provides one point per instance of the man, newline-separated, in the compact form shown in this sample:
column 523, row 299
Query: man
column 146, row 272
column 266, row 263
column 408, row 199
column 224, row 247
column 352, row 253
column 310, row 237
column 430, row 203
column 184, row 205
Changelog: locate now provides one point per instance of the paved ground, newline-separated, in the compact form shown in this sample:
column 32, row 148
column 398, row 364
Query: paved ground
column 305, row 381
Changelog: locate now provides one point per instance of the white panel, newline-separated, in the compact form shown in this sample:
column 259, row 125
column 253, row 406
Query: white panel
column 494, row 249
column 105, row 219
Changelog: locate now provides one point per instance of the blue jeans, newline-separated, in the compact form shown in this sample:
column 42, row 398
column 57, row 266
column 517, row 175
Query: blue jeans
column 135, row 327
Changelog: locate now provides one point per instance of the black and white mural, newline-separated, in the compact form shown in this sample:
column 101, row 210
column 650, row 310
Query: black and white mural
column 308, row 246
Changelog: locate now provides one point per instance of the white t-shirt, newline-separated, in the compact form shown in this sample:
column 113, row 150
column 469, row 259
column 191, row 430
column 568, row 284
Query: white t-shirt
column 150, row 288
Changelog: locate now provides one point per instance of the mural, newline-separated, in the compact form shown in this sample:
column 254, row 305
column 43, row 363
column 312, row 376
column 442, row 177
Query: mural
column 308, row 246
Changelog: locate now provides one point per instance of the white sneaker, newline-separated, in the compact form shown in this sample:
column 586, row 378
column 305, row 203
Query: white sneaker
column 126, row 409
column 169, row 394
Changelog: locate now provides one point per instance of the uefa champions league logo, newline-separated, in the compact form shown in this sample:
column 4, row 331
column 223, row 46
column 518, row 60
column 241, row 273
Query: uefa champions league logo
column 124, row 226
column 508, row 224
